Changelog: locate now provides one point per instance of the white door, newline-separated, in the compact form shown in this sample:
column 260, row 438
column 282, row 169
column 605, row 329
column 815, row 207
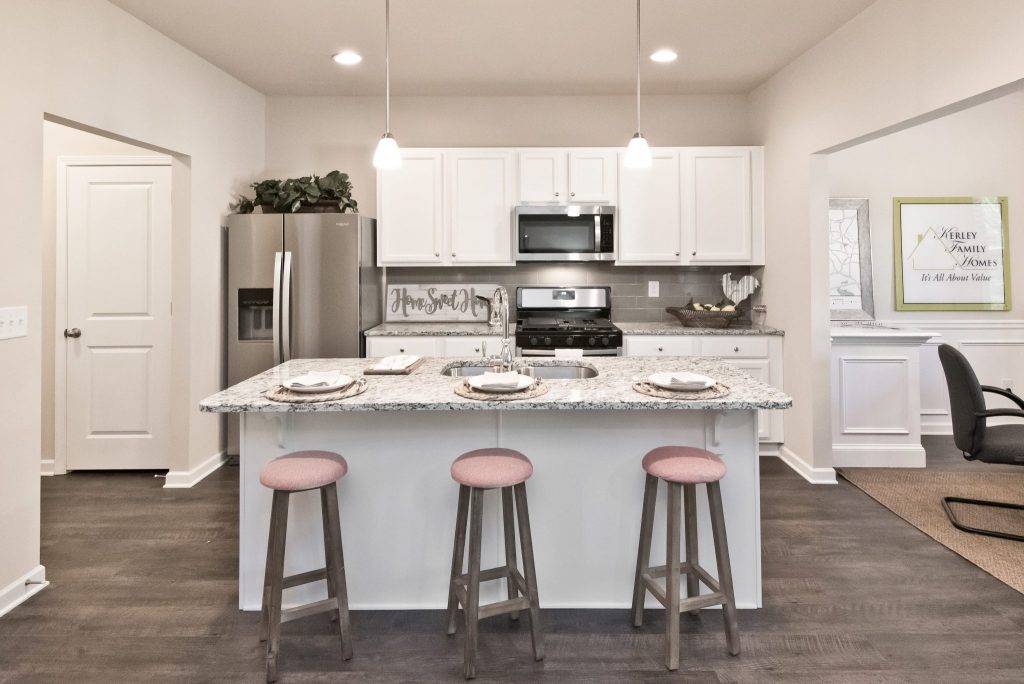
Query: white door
column 542, row 176
column 650, row 207
column 592, row 176
column 718, row 192
column 481, row 207
column 410, row 207
column 118, row 317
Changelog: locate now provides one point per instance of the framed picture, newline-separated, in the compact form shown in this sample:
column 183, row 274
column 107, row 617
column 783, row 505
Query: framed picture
column 850, row 292
column 951, row 253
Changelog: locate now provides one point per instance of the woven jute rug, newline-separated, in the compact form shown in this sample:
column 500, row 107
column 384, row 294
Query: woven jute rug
column 916, row 496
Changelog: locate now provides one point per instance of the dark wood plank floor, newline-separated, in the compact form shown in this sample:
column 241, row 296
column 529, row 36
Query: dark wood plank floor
column 144, row 591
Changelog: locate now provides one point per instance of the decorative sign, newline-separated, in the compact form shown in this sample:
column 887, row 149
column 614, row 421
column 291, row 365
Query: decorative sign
column 440, row 303
column 951, row 254
column 850, row 291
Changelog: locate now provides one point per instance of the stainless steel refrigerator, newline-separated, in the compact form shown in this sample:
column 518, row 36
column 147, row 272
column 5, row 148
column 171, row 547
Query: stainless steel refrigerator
column 299, row 286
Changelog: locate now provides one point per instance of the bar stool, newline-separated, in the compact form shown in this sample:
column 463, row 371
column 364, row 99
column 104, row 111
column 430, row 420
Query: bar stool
column 683, row 468
column 477, row 471
column 297, row 472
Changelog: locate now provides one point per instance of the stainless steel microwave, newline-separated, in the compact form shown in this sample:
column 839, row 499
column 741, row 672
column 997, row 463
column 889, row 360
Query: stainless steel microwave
column 565, row 233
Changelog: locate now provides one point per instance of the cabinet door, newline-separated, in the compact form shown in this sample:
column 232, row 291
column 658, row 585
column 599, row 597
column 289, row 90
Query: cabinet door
column 649, row 211
column 473, row 347
column 542, row 176
column 593, row 176
column 718, row 205
column 377, row 347
column 410, row 208
column 659, row 345
column 759, row 369
column 481, row 207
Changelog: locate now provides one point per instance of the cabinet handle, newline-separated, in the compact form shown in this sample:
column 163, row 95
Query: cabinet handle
column 693, row 254
column 677, row 253
column 736, row 349
column 661, row 349
column 572, row 194
column 437, row 254
column 401, row 350
column 453, row 255
column 476, row 349
column 556, row 194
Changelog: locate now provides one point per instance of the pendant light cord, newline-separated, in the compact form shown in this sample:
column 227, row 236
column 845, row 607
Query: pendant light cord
column 387, row 66
column 637, row 66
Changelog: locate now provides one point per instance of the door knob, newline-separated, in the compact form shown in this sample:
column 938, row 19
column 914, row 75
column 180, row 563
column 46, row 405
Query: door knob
column 73, row 332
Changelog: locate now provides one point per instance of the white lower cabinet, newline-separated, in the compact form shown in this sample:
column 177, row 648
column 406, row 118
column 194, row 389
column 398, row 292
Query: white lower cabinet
column 758, row 355
column 432, row 345
column 470, row 346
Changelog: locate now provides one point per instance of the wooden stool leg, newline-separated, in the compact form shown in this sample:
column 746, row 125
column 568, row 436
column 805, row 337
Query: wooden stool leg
column 732, row 634
column 509, row 528
column 279, row 530
column 335, row 557
column 472, row 607
column 692, row 552
column 643, row 555
column 458, row 554
column 672, row 577
column 529, row 571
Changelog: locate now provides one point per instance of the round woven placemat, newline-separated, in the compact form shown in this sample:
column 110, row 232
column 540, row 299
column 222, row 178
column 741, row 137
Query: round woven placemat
column 715, row 392
column 537, row 389
column 283, row 394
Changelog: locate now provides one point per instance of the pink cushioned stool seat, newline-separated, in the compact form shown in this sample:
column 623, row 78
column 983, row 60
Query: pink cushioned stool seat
column 302, row 470
column 686, row 465
column 490, row 468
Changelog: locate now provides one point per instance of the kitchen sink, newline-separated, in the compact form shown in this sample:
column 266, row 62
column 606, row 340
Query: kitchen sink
column 560, row 372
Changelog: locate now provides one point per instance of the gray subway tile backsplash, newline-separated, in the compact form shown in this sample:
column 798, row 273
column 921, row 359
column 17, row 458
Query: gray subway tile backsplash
column 629, row 283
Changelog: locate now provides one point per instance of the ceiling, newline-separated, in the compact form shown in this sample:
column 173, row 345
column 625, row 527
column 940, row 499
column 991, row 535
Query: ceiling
column 497, row 47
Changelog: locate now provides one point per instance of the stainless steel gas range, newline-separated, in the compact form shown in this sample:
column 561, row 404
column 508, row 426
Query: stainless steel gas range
column 550, row 318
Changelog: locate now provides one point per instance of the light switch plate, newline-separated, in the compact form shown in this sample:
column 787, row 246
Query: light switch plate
column 13, row 322
column 653, row 288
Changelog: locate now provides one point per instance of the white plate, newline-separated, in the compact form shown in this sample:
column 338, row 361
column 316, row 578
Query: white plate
column 691, row 382
column 341, row 382
column 476, row 382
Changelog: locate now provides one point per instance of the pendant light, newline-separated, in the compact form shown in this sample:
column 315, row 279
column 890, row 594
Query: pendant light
column 638, row 154
column 387, row 155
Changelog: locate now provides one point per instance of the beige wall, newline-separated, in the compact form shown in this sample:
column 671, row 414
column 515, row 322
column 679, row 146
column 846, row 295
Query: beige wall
column 61, row 141
column 976, row 152
column 895, row 62
column 86, row 61
column 317, row 134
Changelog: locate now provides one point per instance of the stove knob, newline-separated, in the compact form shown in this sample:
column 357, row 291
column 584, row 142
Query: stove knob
column 568, row 340
column 547, row 341
column 592, row 341
column 533, row 341
column 604, row 341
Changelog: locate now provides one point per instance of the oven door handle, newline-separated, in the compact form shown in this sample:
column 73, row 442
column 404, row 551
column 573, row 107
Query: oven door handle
column 550, row 353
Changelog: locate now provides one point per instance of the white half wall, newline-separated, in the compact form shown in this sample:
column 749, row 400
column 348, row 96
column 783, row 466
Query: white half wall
column 89, row 62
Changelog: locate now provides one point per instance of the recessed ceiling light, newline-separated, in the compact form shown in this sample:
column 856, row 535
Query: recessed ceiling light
column 664, row 55
column 348, row 57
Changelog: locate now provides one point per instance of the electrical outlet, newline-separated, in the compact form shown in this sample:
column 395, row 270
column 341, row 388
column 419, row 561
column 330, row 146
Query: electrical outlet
column 653, row 288
column 13, row 322
column 1007, row 383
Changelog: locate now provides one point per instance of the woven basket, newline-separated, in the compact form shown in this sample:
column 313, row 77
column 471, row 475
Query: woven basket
column 704, row 319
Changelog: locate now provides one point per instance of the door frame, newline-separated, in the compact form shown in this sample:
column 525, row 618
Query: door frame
column 64, row 164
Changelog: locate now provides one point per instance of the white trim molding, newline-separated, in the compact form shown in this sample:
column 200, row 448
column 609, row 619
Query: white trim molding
column 879, row 455
column 805, row 470
column 22, row 589
column 47, row 467
column 183, row 479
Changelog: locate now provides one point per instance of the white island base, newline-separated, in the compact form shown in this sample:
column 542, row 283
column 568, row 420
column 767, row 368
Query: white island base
column 398, row 500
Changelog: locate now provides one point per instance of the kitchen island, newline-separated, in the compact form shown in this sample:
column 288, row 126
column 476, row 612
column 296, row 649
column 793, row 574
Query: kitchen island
column 586, row 438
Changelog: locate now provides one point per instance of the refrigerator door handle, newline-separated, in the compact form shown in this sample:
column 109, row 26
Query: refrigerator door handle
column 286, row 308
column 277, row 308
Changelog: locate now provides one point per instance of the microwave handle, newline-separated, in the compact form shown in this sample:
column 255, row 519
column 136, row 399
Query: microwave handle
column 597, row 232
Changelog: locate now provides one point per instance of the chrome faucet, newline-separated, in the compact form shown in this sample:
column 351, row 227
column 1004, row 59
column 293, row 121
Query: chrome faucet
column 500, row 299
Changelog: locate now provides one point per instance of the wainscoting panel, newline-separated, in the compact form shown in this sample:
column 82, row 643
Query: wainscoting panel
column 873, row 395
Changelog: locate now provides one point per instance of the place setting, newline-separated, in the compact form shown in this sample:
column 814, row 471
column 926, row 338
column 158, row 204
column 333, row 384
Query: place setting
column 508, row 386
column 680, row 385
column 316, row 386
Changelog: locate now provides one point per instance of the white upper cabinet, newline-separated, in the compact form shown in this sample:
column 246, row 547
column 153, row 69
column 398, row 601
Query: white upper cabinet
column 542, row 176
column 718, row 201
column 593, row 176
column 480, row 204
column 410, row 207
column 650, row 211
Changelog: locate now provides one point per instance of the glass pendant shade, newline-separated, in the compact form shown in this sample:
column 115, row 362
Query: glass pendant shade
column 638, row 153
column 387, row 155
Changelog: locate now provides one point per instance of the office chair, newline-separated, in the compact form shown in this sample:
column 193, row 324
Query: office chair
column 974, row 437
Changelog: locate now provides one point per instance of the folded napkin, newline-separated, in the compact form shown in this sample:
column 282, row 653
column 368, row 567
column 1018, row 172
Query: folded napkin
column 396, row 362
column 509, row 380
column 568, row 353
column 687, row 380
column 316, row 379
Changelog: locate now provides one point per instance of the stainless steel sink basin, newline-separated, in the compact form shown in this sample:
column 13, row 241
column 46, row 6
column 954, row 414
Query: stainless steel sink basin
column 561, row 372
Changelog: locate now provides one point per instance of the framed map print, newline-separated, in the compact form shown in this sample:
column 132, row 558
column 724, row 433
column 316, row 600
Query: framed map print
column 850, row 293
column 951, row 253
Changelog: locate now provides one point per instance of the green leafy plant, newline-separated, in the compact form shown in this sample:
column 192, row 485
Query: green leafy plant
column 290, row 195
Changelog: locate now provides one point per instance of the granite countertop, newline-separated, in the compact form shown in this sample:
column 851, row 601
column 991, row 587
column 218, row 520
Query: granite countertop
column 675, row 328
column 427, row 390
column 429, row 329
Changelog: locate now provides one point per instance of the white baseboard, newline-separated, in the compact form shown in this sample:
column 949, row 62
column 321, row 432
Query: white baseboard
column 806, row 470
column 769, row 448
column 47, row 466
column 183, row 479
column 878, row 456
column 17, row 592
